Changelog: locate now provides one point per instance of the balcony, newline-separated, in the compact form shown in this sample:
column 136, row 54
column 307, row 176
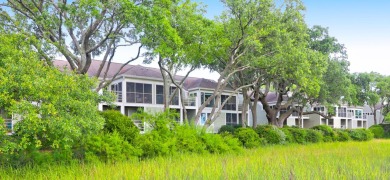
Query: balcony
column 118, row 95
column 190, row 101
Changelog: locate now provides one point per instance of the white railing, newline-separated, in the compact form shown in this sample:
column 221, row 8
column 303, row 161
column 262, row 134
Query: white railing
column 118, row 95
column 190, row 101
column 239, row 107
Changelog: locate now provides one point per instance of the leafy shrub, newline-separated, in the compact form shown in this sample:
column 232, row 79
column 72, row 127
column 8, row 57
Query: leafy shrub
column 188, row 140
column 116, row 121
column 215, row 143
column 314, row 136
column 289, row 136
column 109, row 147
column 377, row 130
column 271, row 134
column 342, row 135
column 248, row 137
column 298, row 134
column 329, row 134
column 154, row 144
column 226, row 128
column 361, row 134
column 233, row 143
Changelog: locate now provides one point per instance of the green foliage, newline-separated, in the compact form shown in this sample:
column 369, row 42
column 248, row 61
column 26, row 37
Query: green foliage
column 116, row 121
column 289, row 137
column 57, row 108
column 329, row 134
column 109, row 147
column 342, row 135
column 360, row 134
column 215, row 143
column 271, row 134
column 227, row 128
column 314, row 136
column 188, row 140
column 377, row 130
column 299, row 135
column 168, row 138
column 248, row 137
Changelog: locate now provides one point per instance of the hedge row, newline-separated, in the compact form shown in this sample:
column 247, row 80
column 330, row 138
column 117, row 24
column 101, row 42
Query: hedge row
column 268, row 134
column 121, row 140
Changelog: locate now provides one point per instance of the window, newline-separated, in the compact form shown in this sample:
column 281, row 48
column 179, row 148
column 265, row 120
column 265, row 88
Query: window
column 139, row 93
column 117, row 89
column 230, row 104
column 160, row 95
column 205, row 96
column 231, row 119
column 319, row 109
column 342, row 112
column 203, row 118
column 7, row 120
column 358, row 114
column 330, row 123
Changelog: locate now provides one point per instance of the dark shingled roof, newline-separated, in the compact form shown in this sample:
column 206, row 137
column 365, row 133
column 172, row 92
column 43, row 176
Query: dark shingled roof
column 140, row 71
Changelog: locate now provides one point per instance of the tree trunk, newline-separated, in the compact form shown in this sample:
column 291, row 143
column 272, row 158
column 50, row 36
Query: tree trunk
column 254, row 107
column 245, row 104
column 375, row 120
column 185, row 118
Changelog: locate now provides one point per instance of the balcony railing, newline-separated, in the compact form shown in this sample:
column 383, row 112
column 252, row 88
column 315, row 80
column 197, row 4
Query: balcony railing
column 239, row 107
column 190, row 101
column 118, row 95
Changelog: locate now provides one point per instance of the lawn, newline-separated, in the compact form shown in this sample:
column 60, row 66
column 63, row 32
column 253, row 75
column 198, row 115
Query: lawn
column 351, row 160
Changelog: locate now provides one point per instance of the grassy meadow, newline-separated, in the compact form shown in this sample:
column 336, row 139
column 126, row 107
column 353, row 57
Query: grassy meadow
column 350, row 160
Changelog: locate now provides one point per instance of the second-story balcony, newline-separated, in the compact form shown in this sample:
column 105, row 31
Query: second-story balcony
column 191, row 101
column 118, row 95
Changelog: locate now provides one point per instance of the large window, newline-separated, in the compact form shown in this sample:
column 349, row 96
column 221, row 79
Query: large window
column 117, row 89
column 139, row 93
column 231, row 119
column 358, row 114
column 342, row 112
column 160, row 95
column 205, row 96
column 230, row 104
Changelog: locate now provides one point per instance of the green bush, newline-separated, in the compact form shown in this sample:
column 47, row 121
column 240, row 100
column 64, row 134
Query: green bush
column 342, row 135
column 378, row 131
column 361, row 134
column 298, row 134
column 109, row 147
column 329, row 134
column 188, row 140
column 154, row 144
column 271, row 134
column 227, row 128
column 116, row 121
column 314, row 136
column 215, row 143
column 289, row 136
column 232, row 142
column 248, row 137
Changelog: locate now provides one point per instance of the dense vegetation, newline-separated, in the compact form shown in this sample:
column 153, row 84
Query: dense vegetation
column 350, row 160
column 249, row 45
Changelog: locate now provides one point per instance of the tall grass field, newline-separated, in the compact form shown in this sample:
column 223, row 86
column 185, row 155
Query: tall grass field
column 349, row 160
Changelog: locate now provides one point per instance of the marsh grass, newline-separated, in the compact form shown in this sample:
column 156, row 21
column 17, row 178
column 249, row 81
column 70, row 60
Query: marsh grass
column 350, row 160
